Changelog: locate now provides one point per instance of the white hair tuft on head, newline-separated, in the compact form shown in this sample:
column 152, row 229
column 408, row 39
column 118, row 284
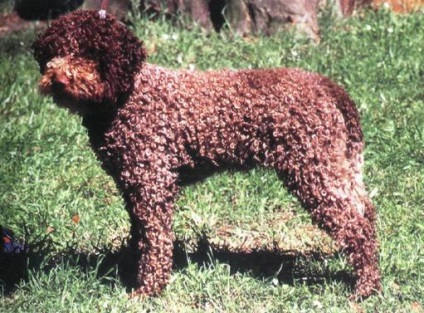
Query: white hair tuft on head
column 102, row 13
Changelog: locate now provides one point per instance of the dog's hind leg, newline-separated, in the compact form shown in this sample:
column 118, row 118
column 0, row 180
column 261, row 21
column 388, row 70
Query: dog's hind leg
column 336, row 198
column 354, row 233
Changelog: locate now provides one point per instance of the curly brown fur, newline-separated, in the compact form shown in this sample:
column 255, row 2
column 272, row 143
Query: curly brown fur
column 300, row 124
column 82, row 33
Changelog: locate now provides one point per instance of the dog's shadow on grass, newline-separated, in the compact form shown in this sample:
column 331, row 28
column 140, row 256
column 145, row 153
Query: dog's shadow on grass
column 119, row 265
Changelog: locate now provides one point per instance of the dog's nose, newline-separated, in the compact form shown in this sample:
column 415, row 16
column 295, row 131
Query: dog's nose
column 60, row 81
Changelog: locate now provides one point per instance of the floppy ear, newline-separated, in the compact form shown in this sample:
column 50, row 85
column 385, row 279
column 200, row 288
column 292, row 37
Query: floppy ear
column 105, row 40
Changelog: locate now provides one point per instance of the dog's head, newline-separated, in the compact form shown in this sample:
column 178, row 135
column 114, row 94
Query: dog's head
column 87, row 58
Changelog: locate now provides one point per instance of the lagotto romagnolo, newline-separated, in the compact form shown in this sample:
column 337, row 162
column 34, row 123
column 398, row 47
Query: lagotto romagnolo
column 148, row 124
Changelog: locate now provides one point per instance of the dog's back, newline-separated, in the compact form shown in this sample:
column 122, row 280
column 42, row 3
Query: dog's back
column 238, row 116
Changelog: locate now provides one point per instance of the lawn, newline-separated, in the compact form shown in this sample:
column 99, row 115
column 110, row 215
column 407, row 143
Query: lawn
column 243, row 244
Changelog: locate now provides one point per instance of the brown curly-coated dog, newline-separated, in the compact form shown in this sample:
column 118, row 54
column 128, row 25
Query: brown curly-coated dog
column 147, row 124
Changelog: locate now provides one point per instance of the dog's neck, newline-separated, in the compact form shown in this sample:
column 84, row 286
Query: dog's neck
column 97, row 125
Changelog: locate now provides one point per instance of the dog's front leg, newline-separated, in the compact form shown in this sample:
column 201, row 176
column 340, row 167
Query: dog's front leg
column 151, row 201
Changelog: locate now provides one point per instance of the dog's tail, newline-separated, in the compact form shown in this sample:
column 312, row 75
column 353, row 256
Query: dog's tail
column 350, row 114
column 355, row 146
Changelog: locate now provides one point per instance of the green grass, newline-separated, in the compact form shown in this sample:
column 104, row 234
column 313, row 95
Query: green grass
column 49, row 179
